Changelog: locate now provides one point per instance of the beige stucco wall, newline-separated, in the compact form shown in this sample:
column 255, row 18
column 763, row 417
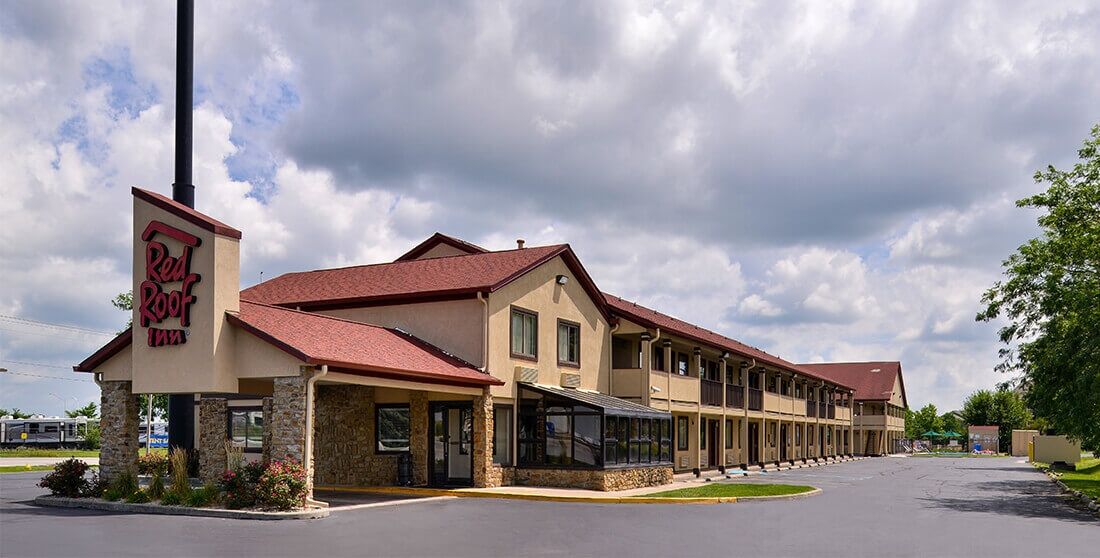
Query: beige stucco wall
column 255, row 358
column 1051, row 449
column 454, row 325
column 205, row 362
column 539, row 292
column 117, row 368
column 895, row 397
column 1020, row 441
column 441, row 250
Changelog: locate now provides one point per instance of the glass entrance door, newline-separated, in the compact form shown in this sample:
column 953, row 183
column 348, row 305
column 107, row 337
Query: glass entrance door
column 452, row 449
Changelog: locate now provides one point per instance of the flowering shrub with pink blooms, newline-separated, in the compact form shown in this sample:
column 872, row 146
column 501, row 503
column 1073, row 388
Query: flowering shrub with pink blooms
column 282, row 486
column 240, row 485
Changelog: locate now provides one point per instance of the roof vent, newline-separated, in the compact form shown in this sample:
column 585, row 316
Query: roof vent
column 876, row 370
column 519, row 243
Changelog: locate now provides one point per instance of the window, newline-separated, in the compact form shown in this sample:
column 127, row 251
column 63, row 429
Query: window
column 702, row 434
column 569, row 343
column 681, row 433
column 729, row 433
column 392, row 431
column 798, row 434
column 246, row 428
column 729, row 374
column 770, row 382
column 738, row 434
column 798, row 390
column 771, row 434
column 682, row 364
column 784, row 387
column 810, row 435
column 525, row 334
column 828, row 435
column 502, row 435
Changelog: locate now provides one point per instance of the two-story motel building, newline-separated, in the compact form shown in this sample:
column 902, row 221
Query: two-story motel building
column 483, row 367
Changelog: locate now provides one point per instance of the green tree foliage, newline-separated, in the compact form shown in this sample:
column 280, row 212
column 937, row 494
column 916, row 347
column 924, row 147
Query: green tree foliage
column 1051, row 297
column 125, row 301
column 1004, row 408
column 919, row 422
column 951, row 422
column 15, row 413
column 91, row 410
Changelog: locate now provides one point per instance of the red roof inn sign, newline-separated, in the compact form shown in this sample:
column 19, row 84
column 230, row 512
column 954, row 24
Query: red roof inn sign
column 161, row 268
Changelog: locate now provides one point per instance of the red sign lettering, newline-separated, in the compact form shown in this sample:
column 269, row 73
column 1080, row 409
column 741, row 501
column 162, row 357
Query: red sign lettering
column 155, row 304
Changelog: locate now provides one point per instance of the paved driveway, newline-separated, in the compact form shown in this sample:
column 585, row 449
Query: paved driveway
column 876, row 507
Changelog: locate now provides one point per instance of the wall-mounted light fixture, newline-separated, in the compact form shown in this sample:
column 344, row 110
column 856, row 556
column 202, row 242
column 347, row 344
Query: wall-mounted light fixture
column 562, row 279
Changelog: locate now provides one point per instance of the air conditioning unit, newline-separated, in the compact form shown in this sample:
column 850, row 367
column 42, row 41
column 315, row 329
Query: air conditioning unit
column 570, row 380
column 525, row 374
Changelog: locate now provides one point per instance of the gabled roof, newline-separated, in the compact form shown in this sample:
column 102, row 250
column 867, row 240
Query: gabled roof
column 344, row 344
column 121, row 341
column 437, row 239
column 447, row 277
column 873, row 381
column 176, row 208
column 651, row 318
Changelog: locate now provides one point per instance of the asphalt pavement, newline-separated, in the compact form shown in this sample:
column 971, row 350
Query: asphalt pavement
column 876, row 507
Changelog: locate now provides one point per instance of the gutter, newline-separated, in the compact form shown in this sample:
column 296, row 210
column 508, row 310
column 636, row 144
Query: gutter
column 307, row 456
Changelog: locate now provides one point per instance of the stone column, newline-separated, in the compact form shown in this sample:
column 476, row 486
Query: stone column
column 267, row 430
column 118, row 430
column 486, row 474
column 213, row 416
column 418, row 436
column 288, row 419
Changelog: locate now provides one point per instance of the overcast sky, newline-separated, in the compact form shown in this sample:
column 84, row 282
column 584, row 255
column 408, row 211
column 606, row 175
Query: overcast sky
column 824, row 180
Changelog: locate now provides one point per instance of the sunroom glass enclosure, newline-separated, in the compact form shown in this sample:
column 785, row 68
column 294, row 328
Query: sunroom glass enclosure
column 569, row 428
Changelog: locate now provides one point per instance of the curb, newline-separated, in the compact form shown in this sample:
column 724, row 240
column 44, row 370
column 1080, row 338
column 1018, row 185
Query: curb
column 1090, row 503
column 157, row 509
column 641, row 499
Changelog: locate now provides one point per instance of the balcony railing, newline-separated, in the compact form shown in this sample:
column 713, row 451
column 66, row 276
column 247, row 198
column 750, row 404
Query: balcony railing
column 735, row 397
column 756, row 399
column 710, row 393
column 832, row 411
column 811, row 408
column 822, row 409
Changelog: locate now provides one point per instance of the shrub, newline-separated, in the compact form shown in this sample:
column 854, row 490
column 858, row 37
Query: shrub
column 202, row 497
column 156, row 485
column 171, row 499
column 67, row 479
column 121, row 487
column 96, row 486
column 234, row 456
column 139, row 497
column 181, row 483
column 92, row 437
column 151, row 463
column 240, row 485
column 282, row 486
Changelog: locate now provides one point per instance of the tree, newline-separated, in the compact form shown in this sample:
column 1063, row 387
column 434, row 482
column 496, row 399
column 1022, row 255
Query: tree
column 919, row 422
column 14, row 413
column 125, row 301
column 89, row 411
column 1004, row 409
column 952, row 423
column 1051, row 298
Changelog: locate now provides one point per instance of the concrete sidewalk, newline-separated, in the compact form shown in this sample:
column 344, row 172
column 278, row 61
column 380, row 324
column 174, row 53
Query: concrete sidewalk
column 35, row 461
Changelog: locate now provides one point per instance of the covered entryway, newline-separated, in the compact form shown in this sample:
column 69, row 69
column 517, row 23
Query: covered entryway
column 451, row 450
column 754, row 443
column 783, row 442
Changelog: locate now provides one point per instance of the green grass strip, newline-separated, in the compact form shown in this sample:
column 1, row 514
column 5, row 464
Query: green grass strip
column 735, row 490
column 48, row 453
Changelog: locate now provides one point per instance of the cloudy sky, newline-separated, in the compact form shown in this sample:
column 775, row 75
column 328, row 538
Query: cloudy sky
column 824, row 180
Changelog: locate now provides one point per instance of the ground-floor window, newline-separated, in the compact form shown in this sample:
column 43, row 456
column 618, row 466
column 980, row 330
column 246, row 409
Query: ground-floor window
column 771, row 434
column 392, row 428
column 682, row 433
column 502, row 435
column 810, row 435
column 729, row 433
column 246, row 428
column 703, row 434
column 798, row 434
column 828, row 435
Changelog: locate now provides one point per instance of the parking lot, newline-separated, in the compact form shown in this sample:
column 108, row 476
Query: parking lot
column 875, row 507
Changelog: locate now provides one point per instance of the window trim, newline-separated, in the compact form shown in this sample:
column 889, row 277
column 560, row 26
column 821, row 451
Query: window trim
column 682, row 441
column 378, row 408
column 513, row 309
column 561, row 362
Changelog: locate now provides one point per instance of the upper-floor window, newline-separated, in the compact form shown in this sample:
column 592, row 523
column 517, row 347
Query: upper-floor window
column 659, row 358
column 682, row 364
column 525, row 334
column 569, row 343
column 729, row 374
column 771, row 383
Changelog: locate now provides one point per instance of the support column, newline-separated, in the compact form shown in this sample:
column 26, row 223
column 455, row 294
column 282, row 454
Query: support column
column 419, row 436
column 743, row 432
column 486, row 474
column 118, row 430
column 646, row 365
column 288, row 419
column 213, row 417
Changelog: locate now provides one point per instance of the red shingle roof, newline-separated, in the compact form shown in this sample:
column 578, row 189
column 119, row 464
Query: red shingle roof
column 407, row 280
column 317, row 339
column 437, row 239
column 652, row 318
column 869, row 385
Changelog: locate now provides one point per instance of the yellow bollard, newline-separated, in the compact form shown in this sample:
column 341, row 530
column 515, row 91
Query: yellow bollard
column 1031, row 451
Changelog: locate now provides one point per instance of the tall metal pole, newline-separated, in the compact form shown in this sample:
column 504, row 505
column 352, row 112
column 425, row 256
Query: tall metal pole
column 181, row 407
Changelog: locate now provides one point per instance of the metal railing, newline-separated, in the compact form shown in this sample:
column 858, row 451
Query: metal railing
column 822, row 409
column 811, row 409
column 710, row 392
column 756, row 399
column 832, row 411
column 735, row 397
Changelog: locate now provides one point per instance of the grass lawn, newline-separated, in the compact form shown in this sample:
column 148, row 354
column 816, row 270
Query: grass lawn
column 23, row 469
column 736, row 490
column 959, row 454
column 1085, row 479
column 33, row 452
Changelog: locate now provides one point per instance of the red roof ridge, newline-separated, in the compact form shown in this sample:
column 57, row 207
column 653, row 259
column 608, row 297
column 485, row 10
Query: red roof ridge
column 403, row 262
column 188, row 214
column 436, row 239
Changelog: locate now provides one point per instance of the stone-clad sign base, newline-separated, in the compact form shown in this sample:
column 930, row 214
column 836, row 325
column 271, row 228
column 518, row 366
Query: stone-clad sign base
column 106, row 505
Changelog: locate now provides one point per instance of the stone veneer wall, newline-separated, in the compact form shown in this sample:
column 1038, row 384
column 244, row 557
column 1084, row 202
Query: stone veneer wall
column 118, row 428
column 486, row 474
column 343, row 444
column 594, row 479
column 418, row 436
column 267, row 430
column 212, row 437
column 288, row 418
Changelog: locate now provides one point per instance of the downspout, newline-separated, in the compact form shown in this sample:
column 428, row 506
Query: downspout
column 648, row 372
column 307, row 457
column 611, row 359
column 485, row 335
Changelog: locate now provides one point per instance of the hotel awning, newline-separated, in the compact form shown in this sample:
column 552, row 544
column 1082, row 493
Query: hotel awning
column 608, row 404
